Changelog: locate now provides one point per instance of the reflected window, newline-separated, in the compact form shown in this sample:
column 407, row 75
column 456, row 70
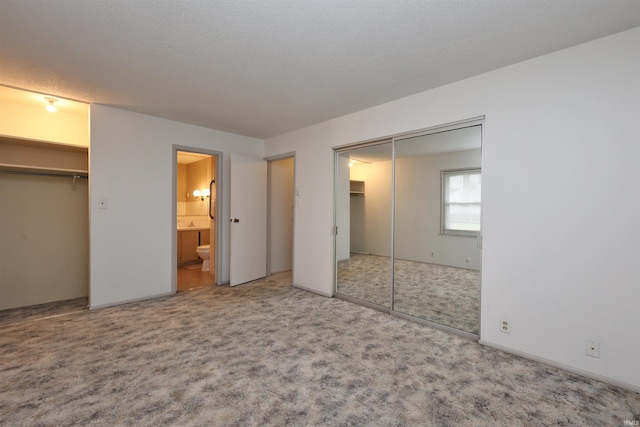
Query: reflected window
column 461, row 202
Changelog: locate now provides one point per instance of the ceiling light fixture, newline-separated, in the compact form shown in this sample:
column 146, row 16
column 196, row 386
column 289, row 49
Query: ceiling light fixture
column 201, row 193
column 355, row 161
column 51, row 107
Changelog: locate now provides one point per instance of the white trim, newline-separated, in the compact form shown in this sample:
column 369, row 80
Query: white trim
column 281, row 156
column 128, row 301
column 564, row 367
column 473, row 121
column 304, row 288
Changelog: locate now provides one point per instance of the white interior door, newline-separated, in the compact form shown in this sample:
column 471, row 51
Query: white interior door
column 248, row 205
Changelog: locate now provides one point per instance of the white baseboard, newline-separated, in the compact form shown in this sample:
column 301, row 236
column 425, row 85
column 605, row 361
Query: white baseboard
column 113, row 304
column 324, row 294
column 564, row 367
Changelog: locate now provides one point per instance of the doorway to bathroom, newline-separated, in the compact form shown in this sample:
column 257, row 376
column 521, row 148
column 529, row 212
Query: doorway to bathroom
column 196, row 206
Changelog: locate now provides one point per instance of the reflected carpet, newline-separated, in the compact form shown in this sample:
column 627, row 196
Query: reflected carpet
column 446, row 295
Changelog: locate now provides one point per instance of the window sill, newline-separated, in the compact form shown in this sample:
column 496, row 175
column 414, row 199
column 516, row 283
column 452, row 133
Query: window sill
column 460, row 234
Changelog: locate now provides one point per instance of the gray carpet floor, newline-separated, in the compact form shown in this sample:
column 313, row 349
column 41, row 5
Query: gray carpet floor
column 268, row 354
column 446, row 295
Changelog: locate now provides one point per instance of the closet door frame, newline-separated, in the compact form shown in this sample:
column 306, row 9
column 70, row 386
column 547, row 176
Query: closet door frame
column 475, row 121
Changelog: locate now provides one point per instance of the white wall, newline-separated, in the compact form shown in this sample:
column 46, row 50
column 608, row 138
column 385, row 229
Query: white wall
column 561, row 148
column 281, row 215
column 131, row 163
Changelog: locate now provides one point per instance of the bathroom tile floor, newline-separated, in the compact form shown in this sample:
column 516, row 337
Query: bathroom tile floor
column 189, row 278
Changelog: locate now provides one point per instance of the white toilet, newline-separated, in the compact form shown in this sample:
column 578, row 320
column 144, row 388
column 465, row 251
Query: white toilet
column 203, row 252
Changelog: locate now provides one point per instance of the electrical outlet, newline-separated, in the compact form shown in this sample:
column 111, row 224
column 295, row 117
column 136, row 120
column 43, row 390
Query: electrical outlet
column 505, row 325
column 593, row 348
column 433, row 254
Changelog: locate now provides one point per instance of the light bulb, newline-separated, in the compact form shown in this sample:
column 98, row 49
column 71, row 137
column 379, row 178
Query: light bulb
column 51, row 105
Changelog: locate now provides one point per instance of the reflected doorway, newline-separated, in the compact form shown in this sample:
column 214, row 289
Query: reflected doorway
column 363, row 218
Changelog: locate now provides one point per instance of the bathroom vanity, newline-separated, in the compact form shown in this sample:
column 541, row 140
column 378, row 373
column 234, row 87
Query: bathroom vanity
column 189, row 239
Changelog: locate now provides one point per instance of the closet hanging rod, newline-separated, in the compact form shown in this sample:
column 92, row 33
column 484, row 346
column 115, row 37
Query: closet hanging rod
column 57, row 175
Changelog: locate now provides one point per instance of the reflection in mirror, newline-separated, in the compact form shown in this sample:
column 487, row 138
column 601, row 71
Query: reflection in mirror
column 437, row 228
column 363, row 218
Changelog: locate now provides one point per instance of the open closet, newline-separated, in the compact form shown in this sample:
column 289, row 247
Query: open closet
column 44, row 223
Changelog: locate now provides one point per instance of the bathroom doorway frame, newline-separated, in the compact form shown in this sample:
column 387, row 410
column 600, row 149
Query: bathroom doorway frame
column 217, row 261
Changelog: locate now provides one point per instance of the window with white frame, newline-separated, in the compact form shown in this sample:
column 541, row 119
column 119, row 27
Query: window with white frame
column 461, row 202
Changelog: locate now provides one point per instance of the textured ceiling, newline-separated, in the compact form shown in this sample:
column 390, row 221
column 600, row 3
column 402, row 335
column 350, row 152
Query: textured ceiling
column 261, row 68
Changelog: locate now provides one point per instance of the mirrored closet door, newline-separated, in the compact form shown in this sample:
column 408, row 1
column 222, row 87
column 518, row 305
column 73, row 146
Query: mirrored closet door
column 363, row 218
column 437, row 228
column 408, row 217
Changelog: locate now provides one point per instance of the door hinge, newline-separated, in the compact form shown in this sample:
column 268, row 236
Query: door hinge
column 334, row 230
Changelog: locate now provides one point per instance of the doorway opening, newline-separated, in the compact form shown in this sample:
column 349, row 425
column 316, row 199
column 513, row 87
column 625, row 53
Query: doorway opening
column 44, row 175
column 196, row 195
column 280, row 216
column 45, row 233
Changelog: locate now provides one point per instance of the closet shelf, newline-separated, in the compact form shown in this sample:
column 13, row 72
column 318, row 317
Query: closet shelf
column 356, row 187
